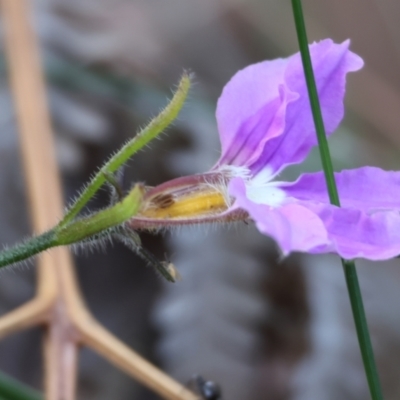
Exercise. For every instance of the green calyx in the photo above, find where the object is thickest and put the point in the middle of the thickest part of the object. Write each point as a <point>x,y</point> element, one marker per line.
<point>103,220</point>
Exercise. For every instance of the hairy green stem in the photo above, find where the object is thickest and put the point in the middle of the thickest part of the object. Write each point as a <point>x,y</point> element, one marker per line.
<point>69,230</point>
<point>353,286</point>
<point>77,231</point>
<point>94,224</point>
<point>27,249</point>
<point>152,130</point>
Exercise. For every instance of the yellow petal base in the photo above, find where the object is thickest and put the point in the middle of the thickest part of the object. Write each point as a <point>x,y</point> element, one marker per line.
<point>195,204</point>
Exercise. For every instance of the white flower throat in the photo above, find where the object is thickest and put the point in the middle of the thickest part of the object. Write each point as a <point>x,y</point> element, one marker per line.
<point>261,189</point>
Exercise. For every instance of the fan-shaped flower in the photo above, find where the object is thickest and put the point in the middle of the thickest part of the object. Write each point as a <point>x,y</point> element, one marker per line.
<point>265,124</point>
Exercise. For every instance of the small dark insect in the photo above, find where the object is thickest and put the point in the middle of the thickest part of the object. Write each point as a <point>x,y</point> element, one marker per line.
<point>208,390</point>
<point>163,200</point>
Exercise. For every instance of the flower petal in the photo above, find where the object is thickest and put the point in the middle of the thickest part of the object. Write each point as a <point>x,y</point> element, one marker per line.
<point>264,115</point>
<point>267,123</point>
<point>331,63</point>
<point>323,228</point>
<point>354,233</point>
<point>366,188</point>
<point>249,91</point>
<point>293,226</point>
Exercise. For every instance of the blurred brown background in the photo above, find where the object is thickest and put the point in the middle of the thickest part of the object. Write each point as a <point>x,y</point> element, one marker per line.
<point>262,329</point>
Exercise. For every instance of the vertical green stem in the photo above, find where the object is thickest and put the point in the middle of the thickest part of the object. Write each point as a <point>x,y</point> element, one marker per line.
<point>350,272</point>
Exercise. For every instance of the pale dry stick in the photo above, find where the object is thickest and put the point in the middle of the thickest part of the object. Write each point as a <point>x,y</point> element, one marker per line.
<point>58,303</point>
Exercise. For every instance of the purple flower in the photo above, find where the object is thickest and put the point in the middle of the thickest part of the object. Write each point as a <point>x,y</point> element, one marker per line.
<point>265,124</point>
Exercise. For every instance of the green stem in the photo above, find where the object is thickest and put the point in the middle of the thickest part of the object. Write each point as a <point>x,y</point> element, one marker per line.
<point>11,389</point>
<point>85,228</point>
<point>353,286</point>
<point>152,130</point>
<point>69,230</point>
<point>78,230</point>
<point>27,249</point>
<point>364,340</point>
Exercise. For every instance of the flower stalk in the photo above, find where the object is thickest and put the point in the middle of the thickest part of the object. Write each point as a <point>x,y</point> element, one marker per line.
<point>353,286</point>
<point>71,229</point>
<point>150,132</point>
<point>77,231</point>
